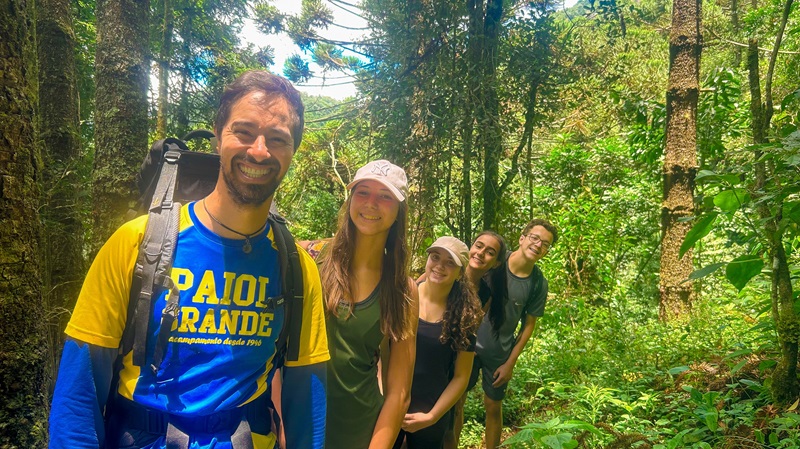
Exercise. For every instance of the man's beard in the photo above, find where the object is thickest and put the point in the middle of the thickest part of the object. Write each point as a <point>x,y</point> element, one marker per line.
<point>251,194</point>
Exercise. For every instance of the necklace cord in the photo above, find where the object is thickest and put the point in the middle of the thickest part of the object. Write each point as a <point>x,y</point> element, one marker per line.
<point>247,237</point>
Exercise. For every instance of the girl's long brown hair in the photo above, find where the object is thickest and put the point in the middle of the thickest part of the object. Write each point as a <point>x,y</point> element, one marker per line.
<point>462,315</point>
<point>394,290</point>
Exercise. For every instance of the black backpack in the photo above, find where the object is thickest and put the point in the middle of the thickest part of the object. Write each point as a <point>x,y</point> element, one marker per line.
<point>171,175</point>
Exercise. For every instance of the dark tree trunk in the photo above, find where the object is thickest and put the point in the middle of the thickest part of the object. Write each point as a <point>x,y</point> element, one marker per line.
<point>182,112</point>
<point>23,344</point>
<point>474,45</point>
<point>680,157</point>
<point>121,74</point>
<point>736,28</point>
<point>163,71</point>
<point>490,137</point>
<point>785,385</point>
<point>60,136</point>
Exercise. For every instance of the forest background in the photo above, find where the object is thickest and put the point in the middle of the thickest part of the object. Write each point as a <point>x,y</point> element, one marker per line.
<point>661,137</point>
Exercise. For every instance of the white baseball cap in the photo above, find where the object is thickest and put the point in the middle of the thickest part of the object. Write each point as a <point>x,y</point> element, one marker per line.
<point>457,249</point>
<point>386,173</point>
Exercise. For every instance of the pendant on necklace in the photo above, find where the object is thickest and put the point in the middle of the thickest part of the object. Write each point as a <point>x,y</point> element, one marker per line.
<point>247,246</point>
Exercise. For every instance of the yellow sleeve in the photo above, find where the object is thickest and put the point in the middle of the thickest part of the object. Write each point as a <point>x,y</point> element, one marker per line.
<point>313,338</point>
<point>102,307</point>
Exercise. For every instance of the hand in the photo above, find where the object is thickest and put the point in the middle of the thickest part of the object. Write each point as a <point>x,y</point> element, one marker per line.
<point>416,421</point>
<point>503,374</point>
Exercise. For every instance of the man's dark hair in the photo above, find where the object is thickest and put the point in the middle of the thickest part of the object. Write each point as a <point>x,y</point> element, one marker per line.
<point>545,224</point>
<point>269,84</point>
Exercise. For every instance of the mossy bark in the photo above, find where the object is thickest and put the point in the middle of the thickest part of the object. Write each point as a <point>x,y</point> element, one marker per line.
<point>680,157</point>
<point>121,74</point>
<point>488,116</point>
<point>23,346</point>
<point>785,384</point>
<point>63,265</point>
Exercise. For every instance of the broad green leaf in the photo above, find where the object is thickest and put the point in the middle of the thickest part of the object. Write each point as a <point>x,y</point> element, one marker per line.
<point>711,421</point>
<point>526,435</point>
<point>766,364</point>
<point>552,423</point>
<point>706,175</point>
<point>731,179</point>
<point>696,396</point>
<point>581,425</point>
<point>740,270</point>
<point>738,353</point>
<point>678,370</point>
<point>560,441</point>
<point>698,231</point>
<point>791,210</point>
<point>705,271</point>
<point>731,200</point>
<point>738,366</point>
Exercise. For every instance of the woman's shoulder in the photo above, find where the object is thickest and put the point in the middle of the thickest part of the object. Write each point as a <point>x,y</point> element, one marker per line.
<point>314,247</point>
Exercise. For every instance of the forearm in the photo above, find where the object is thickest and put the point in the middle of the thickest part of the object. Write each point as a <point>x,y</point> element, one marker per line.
<point>449,397</point>
<point>389,420</point>
<point>303,404</point>
<point>456,387</point>
<point>397,393</point>
<point>522,339</point>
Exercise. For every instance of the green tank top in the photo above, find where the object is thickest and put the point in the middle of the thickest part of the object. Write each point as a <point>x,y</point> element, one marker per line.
<point>354,399</point>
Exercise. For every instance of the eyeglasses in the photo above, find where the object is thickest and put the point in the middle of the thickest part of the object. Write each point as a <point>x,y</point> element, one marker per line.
<point>535,239</point>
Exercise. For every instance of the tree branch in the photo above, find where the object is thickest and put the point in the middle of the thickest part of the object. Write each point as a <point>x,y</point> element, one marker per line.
<point>772,59</point>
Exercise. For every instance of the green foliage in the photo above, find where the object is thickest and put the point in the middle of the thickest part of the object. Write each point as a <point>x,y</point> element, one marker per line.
<point>553,434</point>
<point>636,381</point>
<point>740,270</point>
<point>296,69</point>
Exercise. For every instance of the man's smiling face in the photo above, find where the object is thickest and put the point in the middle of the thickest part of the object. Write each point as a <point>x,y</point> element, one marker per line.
<point>256,147</point>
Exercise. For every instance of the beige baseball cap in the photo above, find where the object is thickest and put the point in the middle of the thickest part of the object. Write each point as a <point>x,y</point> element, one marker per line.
<point>386,173</point>
<point>455,247</point>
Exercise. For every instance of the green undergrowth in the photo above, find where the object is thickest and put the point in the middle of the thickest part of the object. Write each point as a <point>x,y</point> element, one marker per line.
<point>607,374</point>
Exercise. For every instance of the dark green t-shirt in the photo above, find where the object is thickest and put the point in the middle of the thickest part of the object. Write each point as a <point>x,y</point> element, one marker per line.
<point>354,399</point>
<point>526,296</point>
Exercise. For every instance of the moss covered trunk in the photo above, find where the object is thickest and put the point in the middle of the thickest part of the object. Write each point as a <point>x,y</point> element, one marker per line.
<point>23,346</point>
<point>785,385</point>
<point>121,74</point>
<point>488,118</point>
<point>680,157</point>
<point>62,246</point>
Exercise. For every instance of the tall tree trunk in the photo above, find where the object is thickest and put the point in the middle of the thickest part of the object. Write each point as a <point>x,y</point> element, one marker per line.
<point>785,386</point>
<point>419,139</point>
<point>769,108</point>
<point>182,112</point>
<point>473,51</point>
<point>23,344</point>
<point>60,136</point>
<point>736,29</point>
<point>163,71</point>
<point>489,120</point>
<point>680,157</point>
<point>121,74</point>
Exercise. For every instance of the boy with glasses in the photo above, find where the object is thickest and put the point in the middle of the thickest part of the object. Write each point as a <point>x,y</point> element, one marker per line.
<point>498,347</point>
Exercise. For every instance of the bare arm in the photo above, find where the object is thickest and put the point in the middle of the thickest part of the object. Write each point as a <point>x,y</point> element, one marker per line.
<point>451,394</point>
<point>503,374</point>
<point>397,388</point>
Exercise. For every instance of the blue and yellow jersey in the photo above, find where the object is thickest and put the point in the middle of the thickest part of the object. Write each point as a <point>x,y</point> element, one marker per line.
<point>221,349</point>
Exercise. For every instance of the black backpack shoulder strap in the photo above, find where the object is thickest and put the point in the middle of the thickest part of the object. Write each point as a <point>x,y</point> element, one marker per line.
<point>288,343</point>
<point>153,266</point>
